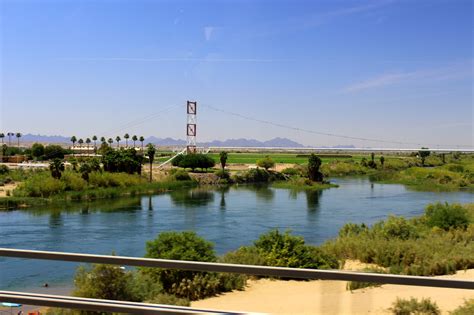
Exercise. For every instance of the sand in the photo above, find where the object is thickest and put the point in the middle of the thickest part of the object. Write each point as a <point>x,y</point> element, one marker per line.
<point>331,297</point>
<point>7,187</point>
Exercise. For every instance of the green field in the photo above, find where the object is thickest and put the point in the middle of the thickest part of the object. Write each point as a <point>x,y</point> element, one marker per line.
<point>251,158</point>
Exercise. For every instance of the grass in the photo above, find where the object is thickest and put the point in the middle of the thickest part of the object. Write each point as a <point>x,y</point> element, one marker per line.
<point>299,183</point>
<point>40,188</point>
<point>251,158</point>
<point>412,247</point>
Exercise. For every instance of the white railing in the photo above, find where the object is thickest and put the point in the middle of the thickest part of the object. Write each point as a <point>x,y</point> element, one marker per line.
<point>143,308</point>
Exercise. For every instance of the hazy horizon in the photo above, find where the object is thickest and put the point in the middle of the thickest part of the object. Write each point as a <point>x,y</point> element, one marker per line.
<point>391,70</point>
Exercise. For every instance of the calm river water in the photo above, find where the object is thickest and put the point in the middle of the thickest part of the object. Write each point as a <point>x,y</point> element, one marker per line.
<point>229,217</point>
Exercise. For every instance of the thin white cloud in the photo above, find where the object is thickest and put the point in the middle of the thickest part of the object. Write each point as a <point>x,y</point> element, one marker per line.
<point>208,32</point>
<point>457,71</point>
<point>133,59</point>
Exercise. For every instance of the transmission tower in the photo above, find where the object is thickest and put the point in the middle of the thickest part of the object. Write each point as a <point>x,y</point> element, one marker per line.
<point>191,127</point>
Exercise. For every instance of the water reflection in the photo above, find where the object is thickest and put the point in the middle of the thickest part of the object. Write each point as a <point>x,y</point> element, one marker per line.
<point>264,193</point>
<point>192,198</point>
<point>55,219</point>
<point>312,199</point>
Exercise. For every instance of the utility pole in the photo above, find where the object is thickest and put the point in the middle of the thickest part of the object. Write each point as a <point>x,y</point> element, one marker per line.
<point>191,127</point>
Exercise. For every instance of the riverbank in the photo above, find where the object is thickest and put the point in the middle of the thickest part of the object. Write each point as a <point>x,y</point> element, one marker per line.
<point>91,194</point>
<point>331,297</point>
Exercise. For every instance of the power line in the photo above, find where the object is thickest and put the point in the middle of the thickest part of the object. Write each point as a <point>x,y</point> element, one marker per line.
<point>140,121</point>
<point>320,132</point>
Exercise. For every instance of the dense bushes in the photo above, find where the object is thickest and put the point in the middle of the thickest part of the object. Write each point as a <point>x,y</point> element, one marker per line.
<point>413,306</point>
<point>4,169</point>
<point>125,161</point>
<point>194,161</point>
<point>414,247</point>
<point>466,309</point>
<point>99,185</point>
<point>282,250</point>
<point>181,175</point>
<point>446,216</point>
<point>105,282</point>
<point>188,284</point>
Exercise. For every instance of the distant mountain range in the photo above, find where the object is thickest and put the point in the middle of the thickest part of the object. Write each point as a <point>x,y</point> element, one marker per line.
<point>276,142</point>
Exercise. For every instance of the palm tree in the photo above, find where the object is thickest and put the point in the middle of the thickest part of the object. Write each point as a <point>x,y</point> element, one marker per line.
<point>126,136</point>
<point>88,141</point>
<point>134,139</point>
<point>10,135</point>
<point>150,151</point>
<point>18,136</point>
<point>103,140</point>
<point>94,138</point>
<point>56,167</point>
<point>110,141</point>
<point>73,140</point>
<point>80,141</point>
<point>118,141</point>
<point>141,140</point>
<point>2,135</point>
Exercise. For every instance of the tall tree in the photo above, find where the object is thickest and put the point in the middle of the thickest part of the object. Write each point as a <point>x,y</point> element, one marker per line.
<point>126,136</point>
<point>150,152</point>
<point>73,140</point>
<point>424,153</point>
<point>88,142</point>
<point>314,163</point>
<point>94,138</point>
<point>2,135</point>
<point>10,135</point>
<point>110,141</point>
<point>118,141</point>
<point>223,159</point>
<point>134,139</point>
<point>142,139</point>
<point>382,161</point>
<point>18,136</point>
<point>80,141</point>
<point>56,167</point>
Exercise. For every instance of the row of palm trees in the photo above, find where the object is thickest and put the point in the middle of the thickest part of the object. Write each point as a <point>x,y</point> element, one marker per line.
<point>10,135</point>
<point>110,141</point>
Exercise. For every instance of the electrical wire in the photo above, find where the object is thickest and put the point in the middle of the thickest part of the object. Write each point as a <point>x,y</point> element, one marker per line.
<point>267,122</point>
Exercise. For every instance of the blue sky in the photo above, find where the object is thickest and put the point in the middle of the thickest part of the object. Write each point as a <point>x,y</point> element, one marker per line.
<point>395,70</point>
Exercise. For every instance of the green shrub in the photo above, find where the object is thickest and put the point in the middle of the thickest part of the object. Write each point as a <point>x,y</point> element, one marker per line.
<point>4,169</point>
<point>73,182</point>
<point>169,299</point>
<point>223,174</point>
<point>291,171</point>
<point>181,175</point>
<point>466,309</point>
<point>179,246</point>
<point>355,285</point>
<point>286,250</point>
<point>104,282</point>
<point>194,161</point>
<point>350,229</point>
<point>407,246</point>
<point>446,216</point>
<point>267,163</point>
<point>40,185</point>
<point>398,227</point>
<point>413,306</point>
<point>246,255</point>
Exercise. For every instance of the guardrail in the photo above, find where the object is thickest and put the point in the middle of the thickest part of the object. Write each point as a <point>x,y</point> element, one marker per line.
<point>142,308</point>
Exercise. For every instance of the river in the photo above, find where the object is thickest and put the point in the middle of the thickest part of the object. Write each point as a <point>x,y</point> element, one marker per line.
<point>229,217</point>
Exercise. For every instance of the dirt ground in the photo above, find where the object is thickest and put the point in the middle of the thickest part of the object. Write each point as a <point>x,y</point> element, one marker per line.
<point>331,297</point>
<point>7,187</point>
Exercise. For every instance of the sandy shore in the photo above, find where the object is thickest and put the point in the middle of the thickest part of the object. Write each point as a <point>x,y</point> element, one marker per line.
<point>331,297</point>
<point>7,187</point>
